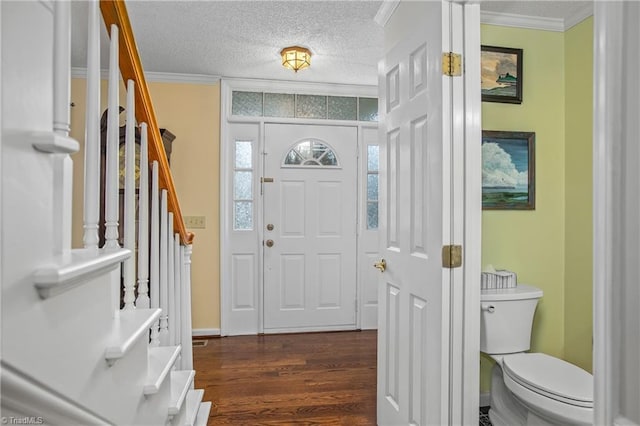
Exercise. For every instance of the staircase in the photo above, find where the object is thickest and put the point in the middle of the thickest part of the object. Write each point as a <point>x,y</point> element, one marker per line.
<point>70,354</point>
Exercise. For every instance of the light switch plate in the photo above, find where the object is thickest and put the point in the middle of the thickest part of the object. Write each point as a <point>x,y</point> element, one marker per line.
<point>195,222</point>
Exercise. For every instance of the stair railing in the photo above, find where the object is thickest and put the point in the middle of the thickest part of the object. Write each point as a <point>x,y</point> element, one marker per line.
<point>160,276</point>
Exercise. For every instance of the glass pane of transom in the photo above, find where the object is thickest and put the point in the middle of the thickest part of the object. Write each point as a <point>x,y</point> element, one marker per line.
<point>243,155</point>
<point>311,106</point>
<point>368,109</point>
<point>279,105</point>
<point>342,108</point>
<point>247,103</point>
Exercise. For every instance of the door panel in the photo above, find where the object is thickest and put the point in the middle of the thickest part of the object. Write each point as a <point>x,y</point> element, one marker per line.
<point>310,270</point>
<point>411,339</point>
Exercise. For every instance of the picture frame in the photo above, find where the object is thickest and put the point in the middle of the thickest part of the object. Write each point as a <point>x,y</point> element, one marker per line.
<point>508,170</point>
<point>501,74</point>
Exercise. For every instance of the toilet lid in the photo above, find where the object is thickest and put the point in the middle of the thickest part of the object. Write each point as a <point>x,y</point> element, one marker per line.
<point>551,377</point>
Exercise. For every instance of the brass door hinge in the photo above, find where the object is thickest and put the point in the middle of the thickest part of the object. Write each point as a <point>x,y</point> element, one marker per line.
<point>451,64</point>
<point>451,256</point>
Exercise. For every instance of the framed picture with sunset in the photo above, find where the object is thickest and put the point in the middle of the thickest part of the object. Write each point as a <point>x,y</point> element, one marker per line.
<point>501,79</point>
<point>508,170</point>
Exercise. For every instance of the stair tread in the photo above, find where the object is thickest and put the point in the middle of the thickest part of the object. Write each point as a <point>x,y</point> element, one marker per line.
<point>194,398</point>
<point>65,273</point>
<point>161,360</point>
<point>203,414</point>
<point>130,326</point>
<point>180,385</point>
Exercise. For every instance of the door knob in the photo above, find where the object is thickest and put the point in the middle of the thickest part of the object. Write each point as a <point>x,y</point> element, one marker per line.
<point>270,227</point>
<point>382,265</point>
<point>269,243</point>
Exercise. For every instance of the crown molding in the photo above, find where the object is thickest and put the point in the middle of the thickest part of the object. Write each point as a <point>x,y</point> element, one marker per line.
<point>536,22</point>
<point>160,77</point>
<point>522,21</point>
<point>386,10</point>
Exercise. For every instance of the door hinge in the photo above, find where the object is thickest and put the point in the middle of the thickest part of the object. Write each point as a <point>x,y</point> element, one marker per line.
<point>451,64</point>
<point>451,256</point>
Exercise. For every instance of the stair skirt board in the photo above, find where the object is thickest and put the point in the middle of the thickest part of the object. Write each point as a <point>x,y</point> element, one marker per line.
<point>160,361</point>
<point>128,329</point>
<point>26,397</point>
<point>180,385</point>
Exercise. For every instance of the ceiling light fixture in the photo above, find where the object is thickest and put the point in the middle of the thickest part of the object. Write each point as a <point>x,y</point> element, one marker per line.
<point>296,58</point>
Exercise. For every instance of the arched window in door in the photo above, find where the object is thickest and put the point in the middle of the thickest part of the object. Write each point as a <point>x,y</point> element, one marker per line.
<point>311,153</point>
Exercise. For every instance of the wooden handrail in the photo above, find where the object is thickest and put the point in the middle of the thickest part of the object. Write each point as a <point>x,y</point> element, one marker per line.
<point>114,12</point>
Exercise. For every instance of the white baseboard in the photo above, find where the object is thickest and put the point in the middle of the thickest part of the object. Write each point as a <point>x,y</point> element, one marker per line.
<point>199,332</point>
<point>485,399</point>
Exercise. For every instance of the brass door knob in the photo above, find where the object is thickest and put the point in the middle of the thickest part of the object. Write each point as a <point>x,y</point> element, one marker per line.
<point>269,243</point>
<point>382,265</point>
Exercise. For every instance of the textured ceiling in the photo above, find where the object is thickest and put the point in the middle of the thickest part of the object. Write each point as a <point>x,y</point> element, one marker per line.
<point>244,38</point>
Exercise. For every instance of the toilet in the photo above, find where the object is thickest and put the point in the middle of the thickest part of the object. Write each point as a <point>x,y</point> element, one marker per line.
<point>528,388</point>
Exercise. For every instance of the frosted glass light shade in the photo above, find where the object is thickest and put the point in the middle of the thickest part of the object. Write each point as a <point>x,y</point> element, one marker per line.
<point>296,58</point>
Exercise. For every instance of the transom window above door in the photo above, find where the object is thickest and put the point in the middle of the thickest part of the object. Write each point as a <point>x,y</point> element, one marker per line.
<point>311,153</point>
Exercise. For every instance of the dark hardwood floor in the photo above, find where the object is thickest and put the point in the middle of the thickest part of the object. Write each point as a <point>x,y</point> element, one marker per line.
<point>289,379</point>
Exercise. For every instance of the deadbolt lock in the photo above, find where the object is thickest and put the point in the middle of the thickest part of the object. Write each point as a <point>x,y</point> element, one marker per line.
<point>269,243</point>
<point>270,227</point>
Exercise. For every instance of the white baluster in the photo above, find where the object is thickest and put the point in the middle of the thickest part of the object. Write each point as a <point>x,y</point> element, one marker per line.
<point>92,133</point>
<point>129,267</point>
<point>154,272</point>
<point>143,223</point>
<point>62,164</point>
<point>62,67</point>
<point>177,271</point>
<point>171,282</point>
<point>164,278</point>
<point>187,350</point>
<point>113,136</point>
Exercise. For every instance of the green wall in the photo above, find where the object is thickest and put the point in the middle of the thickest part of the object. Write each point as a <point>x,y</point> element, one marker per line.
<point>534,243</point>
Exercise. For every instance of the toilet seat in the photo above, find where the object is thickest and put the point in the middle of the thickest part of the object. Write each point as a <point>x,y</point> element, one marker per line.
<point>550,377</point>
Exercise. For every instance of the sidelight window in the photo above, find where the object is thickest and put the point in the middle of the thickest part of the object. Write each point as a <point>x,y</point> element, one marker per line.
<point>243,186</point>
<point>373,163</point>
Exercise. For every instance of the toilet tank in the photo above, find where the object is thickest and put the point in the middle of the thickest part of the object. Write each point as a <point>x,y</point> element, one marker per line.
<point>506,318</point>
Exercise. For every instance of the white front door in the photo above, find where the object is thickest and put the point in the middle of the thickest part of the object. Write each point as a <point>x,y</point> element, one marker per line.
<point>412,328</point>
<point>309,219</point>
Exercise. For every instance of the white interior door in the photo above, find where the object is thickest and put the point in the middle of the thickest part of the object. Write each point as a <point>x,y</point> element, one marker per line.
<point>412,328</point>
<point>310,214</point>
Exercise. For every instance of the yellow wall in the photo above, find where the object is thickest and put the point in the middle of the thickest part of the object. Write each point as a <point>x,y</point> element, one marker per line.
<point>578,194</point>
<point>192,113</point>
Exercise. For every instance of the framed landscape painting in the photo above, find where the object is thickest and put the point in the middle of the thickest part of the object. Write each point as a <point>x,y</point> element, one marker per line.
<point>501,79</point>
<point>508,170</point>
